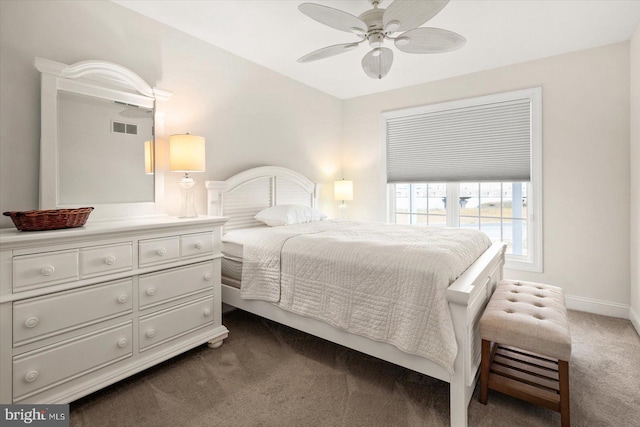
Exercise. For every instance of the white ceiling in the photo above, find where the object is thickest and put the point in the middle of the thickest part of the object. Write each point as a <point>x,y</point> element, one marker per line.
<point>273,33</point>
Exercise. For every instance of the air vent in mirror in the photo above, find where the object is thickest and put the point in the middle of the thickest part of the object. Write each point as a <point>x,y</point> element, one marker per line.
<point>119,127</point>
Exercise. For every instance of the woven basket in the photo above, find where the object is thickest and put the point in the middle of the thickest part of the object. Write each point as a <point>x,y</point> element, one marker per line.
<point>53,219</point>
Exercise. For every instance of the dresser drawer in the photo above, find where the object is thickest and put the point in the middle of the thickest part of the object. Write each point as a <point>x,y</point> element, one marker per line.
<point>156,288</point>
<point>45,269</point>
<point>98,260</point>
<point>56,364</point>
<point>64,311</point>
<point>162,326</point>
<point>156,251</point>
<point>193,245</point>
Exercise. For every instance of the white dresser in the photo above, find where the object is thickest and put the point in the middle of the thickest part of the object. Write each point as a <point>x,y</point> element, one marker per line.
<point>83,308</point>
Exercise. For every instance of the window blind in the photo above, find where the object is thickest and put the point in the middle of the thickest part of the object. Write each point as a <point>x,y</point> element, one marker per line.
<point>487,142</point>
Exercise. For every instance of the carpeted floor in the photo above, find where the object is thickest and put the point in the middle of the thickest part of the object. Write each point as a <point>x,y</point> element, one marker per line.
<point>270,375</point>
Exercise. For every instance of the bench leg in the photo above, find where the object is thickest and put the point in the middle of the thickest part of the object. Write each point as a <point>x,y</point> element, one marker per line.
<point>485,364</point>
<point>563,376</point>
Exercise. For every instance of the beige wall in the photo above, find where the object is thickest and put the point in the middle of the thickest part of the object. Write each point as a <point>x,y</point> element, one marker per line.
<point>252,116</point>
<point>249,115</point>
<point>635,179</point>
<point>585,161</point>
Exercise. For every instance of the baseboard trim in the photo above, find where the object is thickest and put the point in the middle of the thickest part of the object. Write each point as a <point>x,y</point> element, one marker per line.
<point>635,319</point>
<point>605,308</point>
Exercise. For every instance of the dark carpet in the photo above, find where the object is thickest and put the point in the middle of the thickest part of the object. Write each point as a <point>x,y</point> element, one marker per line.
<point>266,374</point>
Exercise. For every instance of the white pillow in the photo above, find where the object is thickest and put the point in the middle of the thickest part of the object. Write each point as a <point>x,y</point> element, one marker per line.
<point>289,214</point>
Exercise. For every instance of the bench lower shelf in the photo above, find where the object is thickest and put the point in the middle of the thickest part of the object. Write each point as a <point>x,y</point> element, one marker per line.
<point>528,376</point>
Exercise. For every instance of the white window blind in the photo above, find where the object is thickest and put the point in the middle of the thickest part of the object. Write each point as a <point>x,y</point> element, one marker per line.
<point>478,141</point>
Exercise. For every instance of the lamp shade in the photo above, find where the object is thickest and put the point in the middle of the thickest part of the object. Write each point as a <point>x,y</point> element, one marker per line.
<point>343,190</point>
<point>186,153</point>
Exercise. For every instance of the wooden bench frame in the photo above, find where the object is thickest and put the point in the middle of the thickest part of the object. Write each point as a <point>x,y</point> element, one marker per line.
<point>528,376</point>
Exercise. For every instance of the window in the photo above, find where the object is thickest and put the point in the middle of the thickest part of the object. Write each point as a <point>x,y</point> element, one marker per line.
<point>484,154</point>
<point>497,208</point>
<point>423,204</point>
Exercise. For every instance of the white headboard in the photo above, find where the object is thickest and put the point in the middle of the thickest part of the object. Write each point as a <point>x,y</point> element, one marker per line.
<point>243,195</point>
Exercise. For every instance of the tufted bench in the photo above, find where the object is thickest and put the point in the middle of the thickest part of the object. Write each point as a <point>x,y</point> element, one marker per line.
<point>526,345</point>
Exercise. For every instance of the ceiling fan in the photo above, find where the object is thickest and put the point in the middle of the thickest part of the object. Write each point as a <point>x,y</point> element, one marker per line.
<point>377,25</point>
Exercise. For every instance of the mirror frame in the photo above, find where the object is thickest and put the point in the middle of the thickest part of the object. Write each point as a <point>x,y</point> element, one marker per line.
<point>100,79</point>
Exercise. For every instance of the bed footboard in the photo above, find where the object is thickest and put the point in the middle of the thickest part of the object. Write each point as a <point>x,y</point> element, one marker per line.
<point>468,297</point>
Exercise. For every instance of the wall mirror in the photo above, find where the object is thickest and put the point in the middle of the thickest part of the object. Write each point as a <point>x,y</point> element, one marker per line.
<point>98,139</point>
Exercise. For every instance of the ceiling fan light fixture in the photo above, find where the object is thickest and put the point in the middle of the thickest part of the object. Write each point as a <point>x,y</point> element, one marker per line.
<point>377,63</point>
<point>376,39</point>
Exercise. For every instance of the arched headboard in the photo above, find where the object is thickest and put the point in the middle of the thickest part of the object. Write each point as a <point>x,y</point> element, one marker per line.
<point>243,195</point>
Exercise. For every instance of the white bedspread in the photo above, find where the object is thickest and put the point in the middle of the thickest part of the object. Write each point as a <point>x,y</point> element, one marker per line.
<point>386,282</point>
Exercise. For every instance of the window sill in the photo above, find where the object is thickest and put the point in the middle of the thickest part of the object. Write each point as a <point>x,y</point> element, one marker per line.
<point>522,265</point>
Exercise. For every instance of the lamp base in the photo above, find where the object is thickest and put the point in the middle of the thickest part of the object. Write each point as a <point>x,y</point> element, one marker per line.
<point>342,207</point>
<point>187,207</point>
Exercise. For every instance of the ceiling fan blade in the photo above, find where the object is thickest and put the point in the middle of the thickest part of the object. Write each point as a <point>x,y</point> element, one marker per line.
<point>136,113</point>
<point>334,18</point>
<point>429,40</point>
<point>328,51</point>
<point>403,15</point>
<point>377,63</point>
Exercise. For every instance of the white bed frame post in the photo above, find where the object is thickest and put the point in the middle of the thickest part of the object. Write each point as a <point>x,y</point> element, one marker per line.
<point>468,296</point>
<point>214,197</point>
<point>459,392</point>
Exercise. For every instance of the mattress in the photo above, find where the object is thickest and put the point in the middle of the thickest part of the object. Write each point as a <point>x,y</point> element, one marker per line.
<point>232,251</point>
<point>231,269</point>
<point>233,241</point>
<point>386,282</point>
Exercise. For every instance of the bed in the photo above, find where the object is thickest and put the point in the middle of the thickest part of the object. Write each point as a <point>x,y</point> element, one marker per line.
<point>242,196</point>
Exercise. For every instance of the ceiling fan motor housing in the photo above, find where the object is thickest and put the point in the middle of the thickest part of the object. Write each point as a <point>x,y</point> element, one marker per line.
<point>373,19</point>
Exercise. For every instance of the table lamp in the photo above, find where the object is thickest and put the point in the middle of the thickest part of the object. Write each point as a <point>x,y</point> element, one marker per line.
<point>187,154</point>
<point>343,191</point>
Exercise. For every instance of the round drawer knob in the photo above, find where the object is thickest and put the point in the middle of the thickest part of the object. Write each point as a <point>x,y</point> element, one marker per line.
<point>31,376</point>
<point>151,291</point>
<point>199,245</point>
<point>110,260</point>
<point>207,276</point>
<point>31,322</point>
<point>151,333</point>
<point>122,342</point>
<point>48,270</point>
<point>161,252</point>
<point>207,312</point>
<point>123,298</point>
